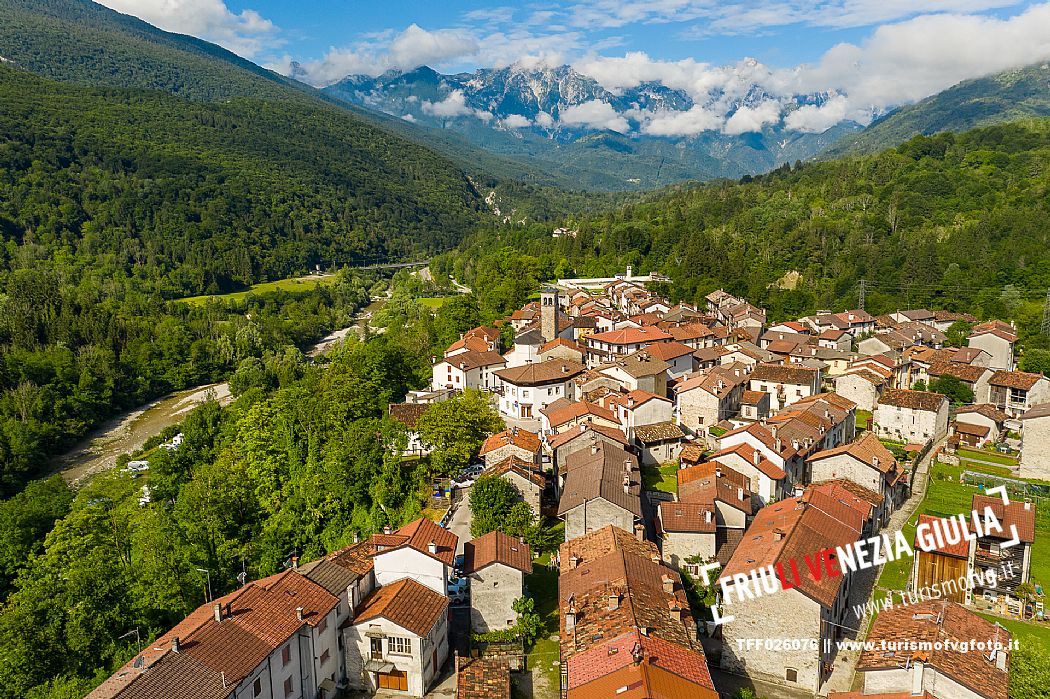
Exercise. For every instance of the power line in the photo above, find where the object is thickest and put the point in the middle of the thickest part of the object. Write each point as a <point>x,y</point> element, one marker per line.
<point>860,295</point>
<point>1046,315</point>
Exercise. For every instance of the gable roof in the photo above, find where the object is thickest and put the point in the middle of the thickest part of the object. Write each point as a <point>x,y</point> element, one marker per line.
<point>631,336</point>
<point>562,438</point>
<point>407,603</point>
<point>1016,514</point>
<point>639,364</point>
<point>668,350</point>
<point>660,669</point>
<point>521,438</point>
<point>914,400</point>
<point>1015,379</point>
<point>868,450</point>
<point>522,469</point>
<point>418,535</point>
<point>960,549</point>
<point>693,517</point>
<point>1036,411</point>
<point>784,374</point>
<point>482,678</point>
<point>496,547</point>
<point>986,409</point>
<point>589,476</point>
<point>575,410</point>
<point>658,432</point>
<point>408,414</point>
<point>548,371</point>
<point>711,489</point>
<point>936,622</point>
<point>752,456</point>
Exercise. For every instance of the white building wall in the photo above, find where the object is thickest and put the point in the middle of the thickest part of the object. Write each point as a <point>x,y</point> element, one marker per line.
<point>391,566</point>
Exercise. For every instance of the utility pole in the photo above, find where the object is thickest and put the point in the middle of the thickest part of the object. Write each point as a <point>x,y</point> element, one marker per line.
<point>207,573</point>
<point>862,283</point>
<point>1046,315</point>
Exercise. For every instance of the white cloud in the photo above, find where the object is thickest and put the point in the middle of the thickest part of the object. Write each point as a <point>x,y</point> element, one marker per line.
<point>678,123</point>
<point>246,33</point>
<point>516,121</point>
<point>748,119</point>
<point>811,118</point>
<point>544,120</point>
<point>595,114</point>
<point>455,105</point>
<point>409,118</point>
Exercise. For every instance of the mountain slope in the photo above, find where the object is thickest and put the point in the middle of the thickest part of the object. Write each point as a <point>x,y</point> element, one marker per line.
<point>995,99</point>
<point>533,115</point>
<point>80,41</point>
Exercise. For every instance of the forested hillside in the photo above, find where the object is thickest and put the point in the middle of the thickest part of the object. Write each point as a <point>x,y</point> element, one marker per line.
<point>951,221</point>
<point>1003,97</point>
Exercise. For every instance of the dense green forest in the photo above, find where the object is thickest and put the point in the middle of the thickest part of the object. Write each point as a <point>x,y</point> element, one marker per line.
<point>960,222</point>
<point>295,466</point>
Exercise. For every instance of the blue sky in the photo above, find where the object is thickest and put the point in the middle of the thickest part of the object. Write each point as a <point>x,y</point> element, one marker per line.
<point>868,54</point>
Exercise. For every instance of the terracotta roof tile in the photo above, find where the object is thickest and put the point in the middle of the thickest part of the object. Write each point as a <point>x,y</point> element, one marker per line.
<point>590,476</point>
<point>631,336</point>
<point>608,659</point>
<point>1015,379</point>
<point>472,360</point>
<point>483,678</point>
<point>658,432</point>
<point>580,430</point>
<point>986,409</point>
<point>407,603</point>
<point>523,469</point>
<point>1019,514</point>
<point>867,449</point>
<point>549,371</point>
<point>915,400</point>
<point>420,533</point>
<point>936,622</point>
<point>687,517</point>
<point>959,550</point>
<point>496,547</point>
<point>563,414</point>
<point>408,414</point>
<point>782,374</point>
<point>523,439</point>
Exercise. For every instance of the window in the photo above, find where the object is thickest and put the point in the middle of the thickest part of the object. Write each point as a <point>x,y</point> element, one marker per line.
<point>325,656</point>
<point>322,626</point>
<point>288,687</point>
<point>399,645</point>
<point>286,655</point>
<point>791,674</point>
<point>257,687</point>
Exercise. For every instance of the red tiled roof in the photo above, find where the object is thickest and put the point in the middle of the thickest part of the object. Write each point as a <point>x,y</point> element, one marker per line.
<point>549,371</point>
<point>1015,379</point>
<point>708,469</point>
<point>936,622</point>
<point>631,336</point>
<point>668,350</point>
<point>407,603</point>
<point>1019,514</point>
<point>567,436</point>
<point>986,409</point>
<point>783,374</point>
<point>868,450</point>
<point>408,414</point>
<point>959,550</point>
<point>561,342</point>
<point>470,342</point>
<point>513,464</point>
<point>496,547</point>
<point>419,534</point>
<point>748,453</point>
<point>483,678</point>
<point>687,517</point>
<point>567,413</point>
<point>914,400</point>
<point>616,654</point>
<point>521,438</point>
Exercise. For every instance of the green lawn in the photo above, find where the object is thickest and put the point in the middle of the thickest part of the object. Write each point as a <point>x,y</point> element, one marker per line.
<point>946,497</point>
<point>543,586</point>
<point>294,284</point>
<point>435,303</point>
<point>1022,630</point>
<point>993,456</point>
<point>985,468</point>
<point>863,419</point>
<point>662,478</point>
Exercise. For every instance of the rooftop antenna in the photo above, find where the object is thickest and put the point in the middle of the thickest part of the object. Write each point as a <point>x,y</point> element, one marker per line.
<point>138,637</point>
<point>207,589</point>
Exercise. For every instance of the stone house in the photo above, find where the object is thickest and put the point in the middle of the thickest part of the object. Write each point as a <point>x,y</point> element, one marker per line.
<point>659,442</point>
<point>1014,392</point>
<point>422,547</point>
<point>400,633</point>
<point>707,519</point>
<point>784,384</point>
<point>561,349</point>
<point>601,486</point>
<point>584,436</point>
<point>529,482</point>
<point>862,386</point>
<point>638,408</point>
<point>781,532</point>
<point>946,670</point>
<point>703,401</point>
<point>528,389</point>
<point>911,416</point>
<point>766,481</point>
<point>870,465</point>
<point>496,565</point>
<point>998,340</point>
<point>985,423</point>
<point>1035,443</point>
<point>513,441</point>
<point>638,371</point>
<point>564,415</point>
<point>754,406</point>
<point>605,347</point>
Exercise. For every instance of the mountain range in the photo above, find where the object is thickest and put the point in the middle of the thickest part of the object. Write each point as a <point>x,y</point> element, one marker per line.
<point>581,132</point>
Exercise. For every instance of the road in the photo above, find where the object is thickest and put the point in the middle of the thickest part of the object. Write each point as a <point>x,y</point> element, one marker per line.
<point>461,520</point>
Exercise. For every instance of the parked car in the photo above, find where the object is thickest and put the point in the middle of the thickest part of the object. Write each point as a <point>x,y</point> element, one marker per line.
<point>472,471</point>
<point>459,590</point>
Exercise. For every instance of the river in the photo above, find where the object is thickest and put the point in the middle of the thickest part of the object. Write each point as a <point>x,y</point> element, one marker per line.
<point>98,451</point>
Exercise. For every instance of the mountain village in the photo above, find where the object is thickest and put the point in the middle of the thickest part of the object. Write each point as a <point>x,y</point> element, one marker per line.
<point>670,441</point>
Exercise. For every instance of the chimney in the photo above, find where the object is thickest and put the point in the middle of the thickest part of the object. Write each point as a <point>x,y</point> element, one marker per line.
<point>627,483</point>
<point>628,466</point>
<point>675,610</point>
<point>718,471</point>
<point>217,611</point>
<point>1027,504</point>
<point>614,601</point>
<point>794,444</point>
<point>175,644</point>
<point>357,537</point>
<point>668,582</point>
<point>756,457</point>
<point>432,547</point>
<point>295,562</point>
<point>594,448</point>
<point>778,534</point>
<point>875,461</point>
<point>707,516</point>
<point>574,562</point>
<point>386,529</point>
<point>778,446</point>
<point>637,654</point>
<point>299,613</point>
<point>630,401</point>
<point>570,619</point>
<point>739,493</point>
<point>639,532</point>
<point>1000,659</point>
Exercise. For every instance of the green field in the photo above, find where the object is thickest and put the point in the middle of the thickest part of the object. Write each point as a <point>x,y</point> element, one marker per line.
<point>293,285</point>
<point>1003,471</point>
<point>435,303</point>
<point>543,587</point>
<point>1022,630</point>
<point>863,419</point>
<point>946,496</point>
<point>662,478</point>
<point>993,456</point>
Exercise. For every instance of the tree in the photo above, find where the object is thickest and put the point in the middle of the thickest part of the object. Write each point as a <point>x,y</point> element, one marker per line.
<point>957,333</point>
<point>1028,668</point>
<point>1026,593</point>
<point>919,385</point>
<point>529,623</point>
<point>24,521</point>
<point>491,501</point>
<point>456,429</point>
<point>1036,361</point>
<point>957,392</point>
